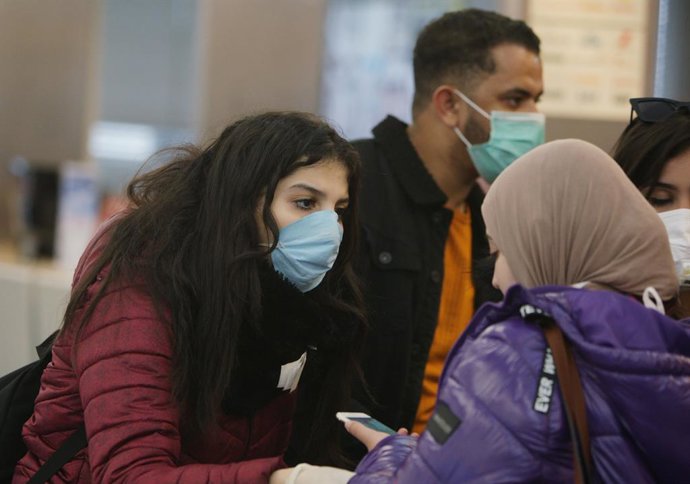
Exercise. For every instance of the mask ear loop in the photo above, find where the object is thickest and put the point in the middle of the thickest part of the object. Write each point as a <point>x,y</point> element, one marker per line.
<point>462,137</point>
<point>474,106</point>
<point>652,300</point>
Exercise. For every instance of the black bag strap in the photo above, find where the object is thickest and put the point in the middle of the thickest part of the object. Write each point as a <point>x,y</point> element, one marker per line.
<point>570,386</point>
<point>62,456</point>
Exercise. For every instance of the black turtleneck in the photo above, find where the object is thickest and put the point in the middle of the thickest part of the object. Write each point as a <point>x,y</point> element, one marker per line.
<point>291,323</point>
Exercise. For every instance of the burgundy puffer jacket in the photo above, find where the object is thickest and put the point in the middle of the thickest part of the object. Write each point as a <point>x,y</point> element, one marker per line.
<point>119,384</point>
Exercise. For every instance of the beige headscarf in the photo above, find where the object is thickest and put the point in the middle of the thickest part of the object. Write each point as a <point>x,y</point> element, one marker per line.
<point>566,213</point>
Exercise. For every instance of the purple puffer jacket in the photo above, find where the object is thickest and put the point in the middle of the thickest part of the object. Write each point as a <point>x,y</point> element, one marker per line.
<point>497,424</point>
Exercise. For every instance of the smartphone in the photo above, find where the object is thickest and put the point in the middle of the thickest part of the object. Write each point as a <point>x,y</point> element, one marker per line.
<point>365,419</point>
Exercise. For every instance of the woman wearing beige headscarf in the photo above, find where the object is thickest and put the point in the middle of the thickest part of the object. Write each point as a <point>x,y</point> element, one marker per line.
<point>567,214</point>
<point>564,214</point>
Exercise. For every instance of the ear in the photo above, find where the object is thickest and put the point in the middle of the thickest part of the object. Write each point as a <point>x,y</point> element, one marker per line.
<point>448,106</point>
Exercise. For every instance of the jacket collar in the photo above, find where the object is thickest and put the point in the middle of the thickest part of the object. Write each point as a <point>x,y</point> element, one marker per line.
<point>391,136</point>
<point>596,322</point>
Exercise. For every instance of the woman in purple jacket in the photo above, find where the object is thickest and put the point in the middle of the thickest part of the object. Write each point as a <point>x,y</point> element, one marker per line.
<point>563,215</point>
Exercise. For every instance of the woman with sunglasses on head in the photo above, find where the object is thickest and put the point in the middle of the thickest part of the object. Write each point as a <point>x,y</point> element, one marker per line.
<point>583,264</point>
<point>213,319</point>
<point>654,151</point>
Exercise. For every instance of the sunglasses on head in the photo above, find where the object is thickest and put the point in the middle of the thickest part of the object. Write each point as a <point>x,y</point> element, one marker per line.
<point>655,109</point>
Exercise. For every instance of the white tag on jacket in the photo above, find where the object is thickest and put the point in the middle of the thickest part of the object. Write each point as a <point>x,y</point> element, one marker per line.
<point>546,385</point>
<point>290,373</point>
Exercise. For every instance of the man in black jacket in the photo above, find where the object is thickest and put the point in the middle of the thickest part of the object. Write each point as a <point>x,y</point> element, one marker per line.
<point>423,234</point>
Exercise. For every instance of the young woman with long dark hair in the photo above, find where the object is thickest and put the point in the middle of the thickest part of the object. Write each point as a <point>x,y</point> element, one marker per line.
<point>214,322</point>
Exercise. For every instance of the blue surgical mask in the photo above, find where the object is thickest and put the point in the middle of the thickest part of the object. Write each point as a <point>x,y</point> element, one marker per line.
<point>512,135</point>
<point>307,249</point>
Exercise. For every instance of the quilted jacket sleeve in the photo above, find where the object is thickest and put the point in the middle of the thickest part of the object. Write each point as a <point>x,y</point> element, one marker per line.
<point>123,366</point>
<point>489,385</point>
<point>381,464</point>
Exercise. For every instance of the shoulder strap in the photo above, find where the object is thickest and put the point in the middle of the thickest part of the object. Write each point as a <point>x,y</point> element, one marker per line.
<point>62,456</point>
<point>573,396</point>
<point>573,400</point>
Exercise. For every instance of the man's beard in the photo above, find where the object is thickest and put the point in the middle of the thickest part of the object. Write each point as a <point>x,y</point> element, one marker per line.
<point>474,131</point>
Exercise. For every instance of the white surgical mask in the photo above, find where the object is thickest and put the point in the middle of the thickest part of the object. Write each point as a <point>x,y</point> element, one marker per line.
<point>677,224</point>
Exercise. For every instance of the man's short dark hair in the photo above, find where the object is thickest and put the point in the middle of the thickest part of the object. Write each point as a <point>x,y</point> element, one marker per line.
<point>457,46</point>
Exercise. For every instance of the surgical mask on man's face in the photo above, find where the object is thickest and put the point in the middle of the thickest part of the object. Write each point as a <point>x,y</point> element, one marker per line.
<point>677,224</point>
<point>512,135</point>
<point>307,249</point>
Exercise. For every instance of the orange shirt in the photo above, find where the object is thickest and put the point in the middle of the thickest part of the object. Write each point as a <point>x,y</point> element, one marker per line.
<point>455,310</point>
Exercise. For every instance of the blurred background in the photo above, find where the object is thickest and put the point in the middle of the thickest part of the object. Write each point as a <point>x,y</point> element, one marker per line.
<point>89,89</point>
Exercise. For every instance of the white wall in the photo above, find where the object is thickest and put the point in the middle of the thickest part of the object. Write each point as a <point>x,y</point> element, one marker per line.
<point>32,300</point>
<point>257,55</point>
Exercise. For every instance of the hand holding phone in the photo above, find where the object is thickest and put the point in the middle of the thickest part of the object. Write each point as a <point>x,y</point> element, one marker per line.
<point>364,419</point>
<point>364,428</point>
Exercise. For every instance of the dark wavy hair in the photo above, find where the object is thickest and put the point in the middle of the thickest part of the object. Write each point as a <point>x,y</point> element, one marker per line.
<point>191,236</point>
<point>643,148</point>
<point>457,46</point>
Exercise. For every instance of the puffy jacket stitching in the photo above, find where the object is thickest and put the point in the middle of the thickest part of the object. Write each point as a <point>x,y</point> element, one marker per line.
<point>427,465</point>
<point>487,409</point>
<point>103,359</point>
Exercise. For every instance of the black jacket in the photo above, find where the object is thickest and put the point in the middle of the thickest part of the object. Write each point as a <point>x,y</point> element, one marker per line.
<point>405,226</point>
